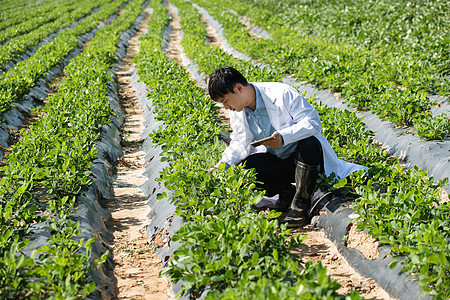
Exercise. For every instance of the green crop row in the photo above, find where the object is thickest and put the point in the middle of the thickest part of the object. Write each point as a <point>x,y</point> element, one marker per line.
<point>393,87</point>
<point>19,14</point>
<point>398,207</point>
<point>9,5</point>
<point>49,168</point>
<point>17,82</point>
<point>201,54</point>
<point>30,24</point>
<point>416,29</point>
<point>228,250</point>
<point>19,45</point>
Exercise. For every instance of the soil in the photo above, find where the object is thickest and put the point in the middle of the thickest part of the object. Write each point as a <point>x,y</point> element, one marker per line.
<point>211,34</point>
<point>319,248</point>
<point>173,51</point>
<point>316,246</point>
<point>174,47</point>
<point>444,196</point>
<point>136,266</point>
<point>362,241</point>
<point>248,25</point>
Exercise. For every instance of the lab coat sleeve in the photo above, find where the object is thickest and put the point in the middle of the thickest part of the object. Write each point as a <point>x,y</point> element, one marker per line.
<point>239,147</point>
<point>305,120</point>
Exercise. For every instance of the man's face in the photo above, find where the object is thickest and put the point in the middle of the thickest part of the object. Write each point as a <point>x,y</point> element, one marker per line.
<point>233,101</point>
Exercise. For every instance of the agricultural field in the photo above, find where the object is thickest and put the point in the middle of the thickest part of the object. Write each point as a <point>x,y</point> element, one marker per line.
<point>107,134</point>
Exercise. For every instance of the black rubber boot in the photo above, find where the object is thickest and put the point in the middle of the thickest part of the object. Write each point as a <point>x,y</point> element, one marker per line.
<point>305,181</point>
<point>285,200</point>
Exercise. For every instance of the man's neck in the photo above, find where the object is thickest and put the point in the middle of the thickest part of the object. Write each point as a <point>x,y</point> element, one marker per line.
<point>252,96</point>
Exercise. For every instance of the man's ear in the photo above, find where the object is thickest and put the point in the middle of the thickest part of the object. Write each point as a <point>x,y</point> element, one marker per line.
<point>238,88</point>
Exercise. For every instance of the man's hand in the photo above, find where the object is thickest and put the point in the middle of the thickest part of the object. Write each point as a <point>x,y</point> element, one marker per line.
<point>276,142</point>
<point>215,168</point>
<point>220,166</point>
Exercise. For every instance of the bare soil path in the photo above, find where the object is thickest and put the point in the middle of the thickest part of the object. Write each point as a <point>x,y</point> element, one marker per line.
<point>136,264</point>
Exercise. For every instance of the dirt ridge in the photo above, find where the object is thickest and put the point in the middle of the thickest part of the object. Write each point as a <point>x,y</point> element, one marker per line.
<point>136,266</point>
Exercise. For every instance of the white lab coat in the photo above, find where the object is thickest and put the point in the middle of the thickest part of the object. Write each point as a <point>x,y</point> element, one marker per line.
<point>293,117</point>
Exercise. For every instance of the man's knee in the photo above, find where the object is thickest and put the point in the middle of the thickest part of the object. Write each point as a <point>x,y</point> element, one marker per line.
<point>255,161</point>
<point>309,151</point>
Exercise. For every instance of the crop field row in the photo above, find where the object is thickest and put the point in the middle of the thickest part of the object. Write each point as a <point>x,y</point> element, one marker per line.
<point>19,14</point>
<point>8,6</point>
<point>224,249</point>
<point>49,168</point>
<point>17,46</point>
<point>16,82</point>
<point>58,10</point>
<point>415,30</point>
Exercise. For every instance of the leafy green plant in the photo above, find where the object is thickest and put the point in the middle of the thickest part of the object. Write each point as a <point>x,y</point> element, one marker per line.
<point>433,128</point>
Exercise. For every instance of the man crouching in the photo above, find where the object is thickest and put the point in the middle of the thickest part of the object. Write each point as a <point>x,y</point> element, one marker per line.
<point>295,152</point>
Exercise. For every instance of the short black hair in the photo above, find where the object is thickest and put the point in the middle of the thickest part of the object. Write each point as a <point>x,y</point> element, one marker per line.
<point>223,80</point>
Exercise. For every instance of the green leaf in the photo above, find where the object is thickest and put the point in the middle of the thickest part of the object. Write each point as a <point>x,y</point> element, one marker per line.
<point>275,254</point>
<point>160,196</point>
<point>393,264</point>
<point>341,183</point>
<point>255,258</point>
<point>433,258</point>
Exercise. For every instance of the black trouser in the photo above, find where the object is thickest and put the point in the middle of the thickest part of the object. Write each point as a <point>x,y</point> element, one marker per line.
<point>276,173</point>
